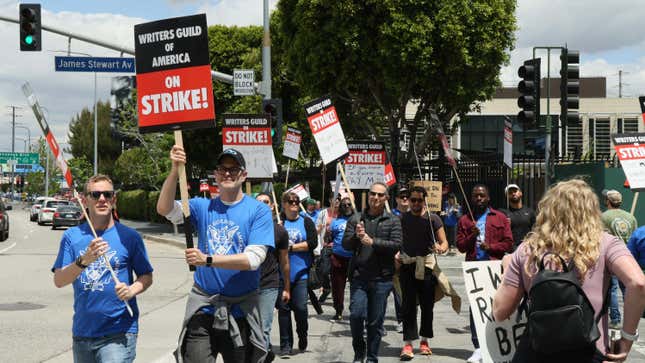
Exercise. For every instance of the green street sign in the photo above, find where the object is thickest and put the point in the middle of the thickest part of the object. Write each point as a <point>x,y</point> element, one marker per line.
<point>21,158</point>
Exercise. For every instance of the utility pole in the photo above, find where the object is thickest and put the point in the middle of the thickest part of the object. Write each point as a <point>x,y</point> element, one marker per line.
<point>13,145</point>
<point>266,54</point>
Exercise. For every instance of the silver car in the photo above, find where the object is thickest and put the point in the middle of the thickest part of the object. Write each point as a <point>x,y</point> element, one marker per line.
<point>35,208</point>
<point>46,212</point>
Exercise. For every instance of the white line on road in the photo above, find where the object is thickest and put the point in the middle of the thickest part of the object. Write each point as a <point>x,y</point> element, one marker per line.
<point>8,248</point>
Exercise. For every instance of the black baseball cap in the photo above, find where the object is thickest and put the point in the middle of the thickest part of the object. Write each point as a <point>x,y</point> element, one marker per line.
<point>403,192</point>
<point>232,153</point>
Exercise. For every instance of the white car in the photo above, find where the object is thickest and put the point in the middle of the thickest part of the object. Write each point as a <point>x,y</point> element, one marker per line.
<point>46,212</point>
<point>35,208</point>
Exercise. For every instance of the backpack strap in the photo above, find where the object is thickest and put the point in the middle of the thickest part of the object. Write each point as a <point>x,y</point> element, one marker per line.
<point>566,267</point>
<point>605,304</point>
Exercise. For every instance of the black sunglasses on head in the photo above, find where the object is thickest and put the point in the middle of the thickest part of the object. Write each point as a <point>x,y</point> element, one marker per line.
<point>108,194</point>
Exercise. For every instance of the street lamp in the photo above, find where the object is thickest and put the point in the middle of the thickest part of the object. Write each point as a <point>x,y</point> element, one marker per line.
<point>28,134</point>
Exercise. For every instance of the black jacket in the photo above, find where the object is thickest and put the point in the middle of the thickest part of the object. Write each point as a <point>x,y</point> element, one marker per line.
<point>374,262</point>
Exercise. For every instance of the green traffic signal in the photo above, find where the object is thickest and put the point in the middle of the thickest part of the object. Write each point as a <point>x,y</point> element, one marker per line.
<point>272,132</point>
<point>29,39</point>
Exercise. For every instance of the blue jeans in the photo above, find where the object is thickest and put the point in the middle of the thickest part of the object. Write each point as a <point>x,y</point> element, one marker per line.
<point>297,304</point>
<point>267,300</point>
<point>367,305</point>
<point>614,311</point>
<point>117,348</point>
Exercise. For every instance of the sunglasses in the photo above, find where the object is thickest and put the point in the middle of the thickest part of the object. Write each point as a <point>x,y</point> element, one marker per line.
<point>108,194</point>
<point>373,194</point>
<point>234,171</point>
<point>293,202</point>
<point>345,204</point>
<point>416,200</point>
<point>265,201</point>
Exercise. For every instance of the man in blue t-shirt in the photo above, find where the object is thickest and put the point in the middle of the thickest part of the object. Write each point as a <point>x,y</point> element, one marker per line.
<point>234,233</point>
<point>303,239</point>
<point>103,328</point>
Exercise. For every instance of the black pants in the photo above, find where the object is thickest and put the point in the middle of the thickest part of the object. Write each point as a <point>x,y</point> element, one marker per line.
<point>411,289</point>
<point>202,343</point>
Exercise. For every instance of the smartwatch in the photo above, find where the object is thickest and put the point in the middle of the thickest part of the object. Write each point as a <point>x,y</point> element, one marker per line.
<point>79,262</point>
<point>209,261</point>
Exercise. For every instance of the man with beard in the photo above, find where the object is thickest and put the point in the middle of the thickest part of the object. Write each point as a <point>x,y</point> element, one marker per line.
<point>522,217</point>
<point>235,231</point>
<point>486,237</point>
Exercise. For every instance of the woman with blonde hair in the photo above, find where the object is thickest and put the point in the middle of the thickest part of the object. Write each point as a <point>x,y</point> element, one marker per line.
<point>568,225</point>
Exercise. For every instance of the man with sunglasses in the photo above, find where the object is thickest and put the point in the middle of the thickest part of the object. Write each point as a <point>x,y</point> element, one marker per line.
<point>276,262</point>
<point>402,201</point>
<point>235,231</point>
<point>423,235</point>
<point>103,329</point>
<point>303,239</point>
<point>374,237</point>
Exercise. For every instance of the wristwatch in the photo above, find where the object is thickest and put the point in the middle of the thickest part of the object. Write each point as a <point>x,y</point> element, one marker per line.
<point>209,261</point>
<point>631,337</point>
<point>79,262</point>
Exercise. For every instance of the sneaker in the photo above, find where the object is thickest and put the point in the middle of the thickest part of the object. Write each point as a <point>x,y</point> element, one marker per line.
<point>476,357</point>
<point>425,348</point>
<point>406,352</point>
<point>285,353</point>
<point>399,327</point>
<point>337,317</point>
<point>358,360</point>
<point>302,344</point>
<point>270,357</point>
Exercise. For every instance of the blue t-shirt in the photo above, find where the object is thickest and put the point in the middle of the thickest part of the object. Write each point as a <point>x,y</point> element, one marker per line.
<point>299,261</point>
<point>97,309</point>
<point>481,224</point>
<point>453,212</point>
<point>636,246</point>
<point>337,231</point>
<point>313,215</point>
<point>227,230</point>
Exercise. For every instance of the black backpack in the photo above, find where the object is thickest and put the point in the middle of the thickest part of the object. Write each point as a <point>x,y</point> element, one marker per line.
<point>560,318</point>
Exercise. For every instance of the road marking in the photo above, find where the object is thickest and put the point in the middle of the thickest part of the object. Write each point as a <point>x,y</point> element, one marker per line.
<point>8,248</point>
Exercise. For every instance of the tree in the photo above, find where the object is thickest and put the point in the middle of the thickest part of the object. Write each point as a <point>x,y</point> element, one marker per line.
<point>377,56</point>
<point>81,138</point>
<point>81,170</point>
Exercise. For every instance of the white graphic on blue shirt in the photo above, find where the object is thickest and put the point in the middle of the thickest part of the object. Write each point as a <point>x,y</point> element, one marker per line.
<point>223,235</point>
<point>96,276</point>
<point>299,261</point>
<point>295,236</point>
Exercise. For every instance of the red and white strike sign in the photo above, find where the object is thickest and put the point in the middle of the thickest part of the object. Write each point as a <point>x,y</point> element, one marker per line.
<point>174,86</point>
<point>325,126</point>
<point>365,164</point>
<point>292,142</point>
<point>630,149</point>
<point>251,136</point>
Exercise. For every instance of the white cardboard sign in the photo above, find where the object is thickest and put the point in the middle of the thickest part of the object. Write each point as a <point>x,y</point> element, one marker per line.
<point>300,190</point>
<point>365,164</point>
<point>292,142</point>
<point>251,136</point>
<point>325,126</point>
<point>498,340</point>
<point>630,149</point>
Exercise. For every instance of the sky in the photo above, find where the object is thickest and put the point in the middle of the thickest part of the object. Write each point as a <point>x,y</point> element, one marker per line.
<point>607,34</point>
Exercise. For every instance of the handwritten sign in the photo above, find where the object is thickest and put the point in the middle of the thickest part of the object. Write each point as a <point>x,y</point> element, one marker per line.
<point>498,340</point>
<point>365,164</point>
<point>292,142</point>
<point>433,188</point>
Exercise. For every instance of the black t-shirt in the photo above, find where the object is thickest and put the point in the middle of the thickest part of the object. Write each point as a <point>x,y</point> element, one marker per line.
<point>522,221</point>
<point>269,269</point>
<point>417,237</point>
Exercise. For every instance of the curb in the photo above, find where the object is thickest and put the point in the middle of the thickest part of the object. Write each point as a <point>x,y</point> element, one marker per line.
<point>168,241</point>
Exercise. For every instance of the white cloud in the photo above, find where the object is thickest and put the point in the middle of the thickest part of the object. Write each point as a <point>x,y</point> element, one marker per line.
<point>237,12</point>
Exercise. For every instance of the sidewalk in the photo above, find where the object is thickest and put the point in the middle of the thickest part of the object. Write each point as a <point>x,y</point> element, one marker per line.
<point>158,232</point>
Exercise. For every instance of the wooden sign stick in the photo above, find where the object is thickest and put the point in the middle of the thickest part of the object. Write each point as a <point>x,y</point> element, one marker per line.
<point>183,191</point>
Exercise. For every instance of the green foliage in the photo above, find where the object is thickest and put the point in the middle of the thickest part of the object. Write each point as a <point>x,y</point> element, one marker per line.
<point>376,56</point>
<point>81,137</point>
<point>151,207</point>
<point>35,183</point>
<point>132,204</point>
<point>81,170</point>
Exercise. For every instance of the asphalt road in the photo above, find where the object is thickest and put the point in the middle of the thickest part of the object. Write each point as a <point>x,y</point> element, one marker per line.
<point>36,317</point>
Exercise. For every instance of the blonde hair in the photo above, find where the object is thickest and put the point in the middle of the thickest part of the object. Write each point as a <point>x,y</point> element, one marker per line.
<point>95,179</point>
<point>568,224</point>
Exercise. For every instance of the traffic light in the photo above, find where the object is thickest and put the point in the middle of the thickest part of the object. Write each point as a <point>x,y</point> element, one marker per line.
<point>273,108</point>
<point>570,87</point>
<point>30,29</point>
<point>529,88</point>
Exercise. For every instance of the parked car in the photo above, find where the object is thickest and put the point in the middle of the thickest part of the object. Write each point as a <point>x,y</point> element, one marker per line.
<point>4,221</point>
<point>67,215</point>
<point>46,212</point>
<point>35,208</point>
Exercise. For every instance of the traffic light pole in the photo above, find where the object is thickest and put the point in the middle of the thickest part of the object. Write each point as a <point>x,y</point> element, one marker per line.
<point>547,141</point>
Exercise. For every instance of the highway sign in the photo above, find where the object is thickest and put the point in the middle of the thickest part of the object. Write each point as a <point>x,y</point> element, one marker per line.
<point>94,64</point>
<point>20,158</point>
